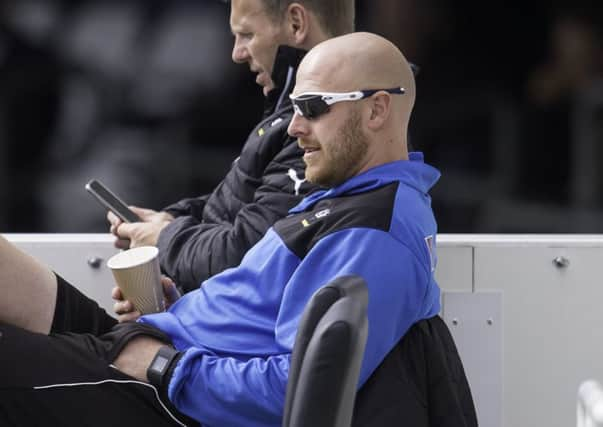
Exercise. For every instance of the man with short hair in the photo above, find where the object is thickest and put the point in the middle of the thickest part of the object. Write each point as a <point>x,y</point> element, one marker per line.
<point>226,347</point>
<point>335,16</point>
<point>203,236</point>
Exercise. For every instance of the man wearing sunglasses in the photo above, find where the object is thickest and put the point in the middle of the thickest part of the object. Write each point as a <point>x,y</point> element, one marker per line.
<point>202,236</point>
<point>220,355</point>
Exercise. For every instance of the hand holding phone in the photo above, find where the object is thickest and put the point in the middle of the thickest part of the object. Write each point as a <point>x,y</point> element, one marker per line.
<point>110,201</point>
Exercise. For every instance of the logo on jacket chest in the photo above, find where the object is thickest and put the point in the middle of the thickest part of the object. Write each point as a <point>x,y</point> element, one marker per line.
<point>262,130</point>
<point>296,181</point>
<point>306,222</point>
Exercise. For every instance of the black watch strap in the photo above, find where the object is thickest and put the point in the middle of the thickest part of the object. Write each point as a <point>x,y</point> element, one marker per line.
<point>160,366</point>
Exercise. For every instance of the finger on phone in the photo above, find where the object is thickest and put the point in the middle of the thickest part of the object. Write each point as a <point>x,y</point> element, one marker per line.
<point>113,219</point>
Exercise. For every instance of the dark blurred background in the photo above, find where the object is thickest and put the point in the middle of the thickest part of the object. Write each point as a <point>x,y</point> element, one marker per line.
<point>142,95</point>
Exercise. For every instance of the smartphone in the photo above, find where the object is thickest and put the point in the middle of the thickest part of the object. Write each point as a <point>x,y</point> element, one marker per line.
<point>110,201</point>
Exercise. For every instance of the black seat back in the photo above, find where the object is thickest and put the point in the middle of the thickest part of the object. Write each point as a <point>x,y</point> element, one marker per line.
<point>327,355</point>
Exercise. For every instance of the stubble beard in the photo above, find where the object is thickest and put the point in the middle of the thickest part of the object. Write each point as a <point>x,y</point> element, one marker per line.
<point>342,157</point>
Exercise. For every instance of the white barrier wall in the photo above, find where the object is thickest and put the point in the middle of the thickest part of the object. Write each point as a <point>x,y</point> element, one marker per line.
<point>550,322</point>
<point>525,310</point>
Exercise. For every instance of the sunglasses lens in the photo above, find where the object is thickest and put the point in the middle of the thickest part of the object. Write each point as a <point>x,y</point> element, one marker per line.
<point>311,107</point>
<point>317,107</point>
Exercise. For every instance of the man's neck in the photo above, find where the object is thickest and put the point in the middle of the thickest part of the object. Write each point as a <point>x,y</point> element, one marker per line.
<point>287,57</point>
<point>313,41</point>
<point>315,36</point>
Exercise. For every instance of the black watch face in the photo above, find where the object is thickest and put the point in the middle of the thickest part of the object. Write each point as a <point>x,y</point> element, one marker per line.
<point>159,363</point>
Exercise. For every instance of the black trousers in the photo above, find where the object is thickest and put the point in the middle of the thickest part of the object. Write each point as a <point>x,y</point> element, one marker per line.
<point>66,378</point>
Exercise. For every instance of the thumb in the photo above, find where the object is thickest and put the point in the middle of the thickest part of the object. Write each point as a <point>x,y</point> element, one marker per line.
<point>170,291</point>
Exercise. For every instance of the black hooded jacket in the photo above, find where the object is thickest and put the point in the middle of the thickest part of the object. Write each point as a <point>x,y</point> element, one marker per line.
<point>212,232</point>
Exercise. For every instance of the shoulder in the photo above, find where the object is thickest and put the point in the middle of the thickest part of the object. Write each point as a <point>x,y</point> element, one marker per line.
<point>266,141</point>
<point>369,210</point>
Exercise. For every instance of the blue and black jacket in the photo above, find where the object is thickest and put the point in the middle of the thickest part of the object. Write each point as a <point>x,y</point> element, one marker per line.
<point>236,332</point>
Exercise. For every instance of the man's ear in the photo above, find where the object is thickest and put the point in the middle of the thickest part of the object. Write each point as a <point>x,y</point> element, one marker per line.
<point>380,108</point>
<point>297,20</point>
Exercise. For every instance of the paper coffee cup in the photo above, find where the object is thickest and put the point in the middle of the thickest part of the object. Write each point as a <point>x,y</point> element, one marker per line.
<point>137,274</point>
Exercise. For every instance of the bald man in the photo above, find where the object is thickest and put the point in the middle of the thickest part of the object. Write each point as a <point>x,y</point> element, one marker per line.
<point>373,131</point>
<point>225,354</point>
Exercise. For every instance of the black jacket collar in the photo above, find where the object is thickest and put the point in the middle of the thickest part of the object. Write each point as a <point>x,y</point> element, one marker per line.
<point>283,75</point>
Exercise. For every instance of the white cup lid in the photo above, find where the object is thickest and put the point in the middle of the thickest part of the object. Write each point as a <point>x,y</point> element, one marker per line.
<point>132,257</point>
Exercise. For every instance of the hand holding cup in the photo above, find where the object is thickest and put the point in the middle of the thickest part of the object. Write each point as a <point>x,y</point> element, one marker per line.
<point>125,309</point>
<point>138,276</point>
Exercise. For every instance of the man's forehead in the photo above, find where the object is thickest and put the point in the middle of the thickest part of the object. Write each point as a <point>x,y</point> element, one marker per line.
<point>320,76</point>
<point>247,13</point>
<point>308,82</point>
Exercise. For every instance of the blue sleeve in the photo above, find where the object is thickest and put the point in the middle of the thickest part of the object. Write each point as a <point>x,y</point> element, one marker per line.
<point>224,391</point>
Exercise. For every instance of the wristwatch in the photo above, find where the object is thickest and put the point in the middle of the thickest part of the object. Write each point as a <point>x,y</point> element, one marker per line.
<point>160,366</point>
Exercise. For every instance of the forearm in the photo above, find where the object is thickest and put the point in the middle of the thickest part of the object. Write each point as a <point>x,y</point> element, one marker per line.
<point>190,252</point>
<point>188,207</point>
<point>226,391</point>
<point>137,355</point>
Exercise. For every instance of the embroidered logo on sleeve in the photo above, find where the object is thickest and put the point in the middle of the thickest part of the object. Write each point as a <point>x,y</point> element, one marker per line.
<point>296,181</point>
<point>429,240</point>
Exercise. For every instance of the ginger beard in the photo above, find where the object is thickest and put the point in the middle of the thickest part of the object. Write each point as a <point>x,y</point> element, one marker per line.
<point>340,158</point>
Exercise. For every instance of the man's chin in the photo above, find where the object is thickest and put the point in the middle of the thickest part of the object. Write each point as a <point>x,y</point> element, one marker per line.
<point>266,89</point>
<point>314,178</point>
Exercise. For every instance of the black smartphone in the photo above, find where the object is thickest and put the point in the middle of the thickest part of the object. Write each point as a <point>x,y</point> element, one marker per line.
<point>110,201</point>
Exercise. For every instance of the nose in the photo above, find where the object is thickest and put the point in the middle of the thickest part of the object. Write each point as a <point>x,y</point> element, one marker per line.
<point>298,127</point>
<point>239,51</point>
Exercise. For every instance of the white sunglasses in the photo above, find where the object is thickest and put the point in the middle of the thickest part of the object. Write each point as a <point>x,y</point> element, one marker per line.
<point>314,104</point>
